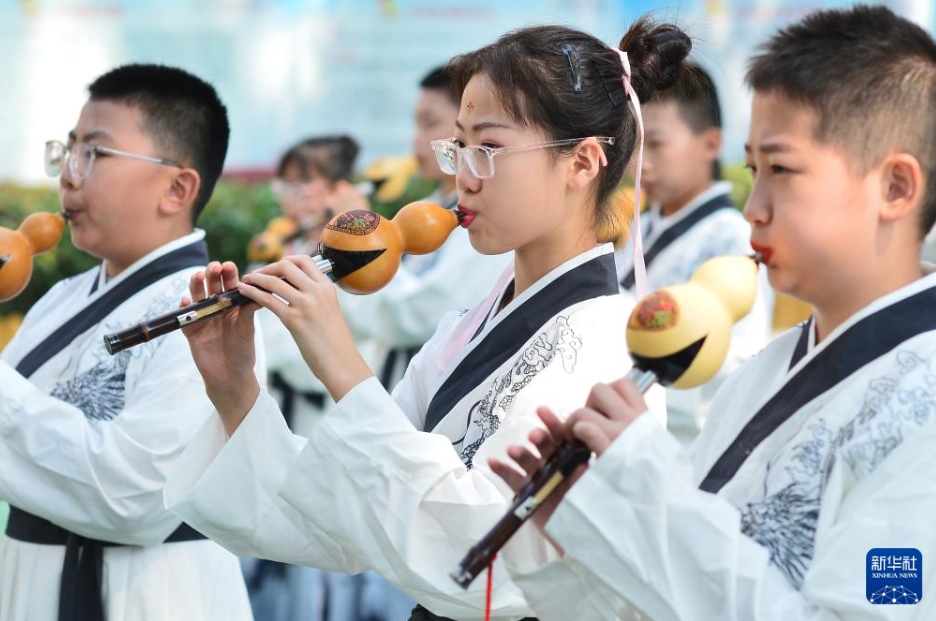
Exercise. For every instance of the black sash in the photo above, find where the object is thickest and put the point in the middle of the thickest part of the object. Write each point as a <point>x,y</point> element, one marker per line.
<point>396,357</point>
<point>192,255</point>
<point>420,613</point>
<point>289,396</point>
<point>80,594</point>
<point>722,201</point>
<point>867,340</point>
<point>592,279</point>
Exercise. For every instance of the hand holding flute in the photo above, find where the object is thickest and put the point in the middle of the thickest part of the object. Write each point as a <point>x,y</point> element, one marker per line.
<point>304,298</point>
<point>677,337</point>
<point>359,250</point>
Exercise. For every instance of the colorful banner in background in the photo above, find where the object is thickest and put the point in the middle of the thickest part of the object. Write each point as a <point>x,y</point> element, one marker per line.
<point>288,69</point>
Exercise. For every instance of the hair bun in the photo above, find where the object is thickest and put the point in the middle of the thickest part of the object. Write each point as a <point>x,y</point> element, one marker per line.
<point>673,46</point>
<point>656,53</point>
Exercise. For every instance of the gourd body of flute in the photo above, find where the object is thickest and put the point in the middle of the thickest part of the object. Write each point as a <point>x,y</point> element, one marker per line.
<point>38,233</point>
<point>418,228</point>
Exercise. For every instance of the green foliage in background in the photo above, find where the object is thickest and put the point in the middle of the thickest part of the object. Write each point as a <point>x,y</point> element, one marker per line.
<point>740,178</point>
<point>417,189</point>
<point>237,211</point>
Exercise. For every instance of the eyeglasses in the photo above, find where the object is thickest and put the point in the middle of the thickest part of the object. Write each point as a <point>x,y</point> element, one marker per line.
<point>79,158</point>
<point>294,189</point>
<point>480,159</point>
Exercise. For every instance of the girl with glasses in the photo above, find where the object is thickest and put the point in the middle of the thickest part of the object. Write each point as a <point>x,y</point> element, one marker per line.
<point>399,483</point>
<point>313,183</point>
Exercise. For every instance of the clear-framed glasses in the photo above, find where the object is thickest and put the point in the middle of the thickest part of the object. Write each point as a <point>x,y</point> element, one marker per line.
<point>294,189</point>
<point>79,158</point>
<point>480,159</point>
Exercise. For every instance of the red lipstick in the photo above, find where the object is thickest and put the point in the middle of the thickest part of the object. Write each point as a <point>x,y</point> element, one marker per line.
<point>465,216</point>
<point>764,251</point>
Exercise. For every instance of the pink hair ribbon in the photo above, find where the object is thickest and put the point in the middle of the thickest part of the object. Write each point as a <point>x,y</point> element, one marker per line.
<point>640,269</point>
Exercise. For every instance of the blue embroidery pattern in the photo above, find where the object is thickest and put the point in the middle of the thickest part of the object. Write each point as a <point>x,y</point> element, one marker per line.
<point>558,339</point>
<point>785,520</point>
<point>100,391</point>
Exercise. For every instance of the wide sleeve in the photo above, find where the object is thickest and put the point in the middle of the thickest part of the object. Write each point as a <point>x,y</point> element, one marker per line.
<point>366,491</point>
<point>369,490</point>
<point>227,488</point>
<point>398,500</point>
<point>638,524</point>
<point>405,312</point>
<point>97,477</point>
<point>564,589</point>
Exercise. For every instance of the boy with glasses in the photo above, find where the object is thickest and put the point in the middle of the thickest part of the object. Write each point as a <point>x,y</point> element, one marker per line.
<point>87,440</point>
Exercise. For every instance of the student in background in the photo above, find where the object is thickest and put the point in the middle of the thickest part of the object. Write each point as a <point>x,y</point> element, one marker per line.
<point>691,219</point>
<point>313,184</point>
<point>402,316</point>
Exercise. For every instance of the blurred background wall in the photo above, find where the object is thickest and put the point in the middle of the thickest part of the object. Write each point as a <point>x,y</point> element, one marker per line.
<point>291,68</point>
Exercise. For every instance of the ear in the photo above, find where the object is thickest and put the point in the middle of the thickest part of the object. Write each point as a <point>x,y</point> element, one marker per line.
<point>902,186</point>
<point>711,140</point>
<point>182,192</point>
<point>585,164</point>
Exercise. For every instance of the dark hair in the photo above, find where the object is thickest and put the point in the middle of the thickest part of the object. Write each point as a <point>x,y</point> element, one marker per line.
<point>182,114</point>
<point>870,77</point>
<point>439,79</point>
<point>696,100</point>
<point>570,85</point>
<point>331,157</point>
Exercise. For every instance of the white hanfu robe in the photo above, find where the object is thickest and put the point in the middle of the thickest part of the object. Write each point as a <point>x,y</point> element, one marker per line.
<point>708,226</point>
<point>842,467</point>
<point>370,489</point>
<point>87,442</point>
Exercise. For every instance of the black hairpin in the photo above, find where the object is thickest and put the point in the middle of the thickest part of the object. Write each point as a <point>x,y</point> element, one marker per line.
<point>575,65</point>
<point>613,81</point>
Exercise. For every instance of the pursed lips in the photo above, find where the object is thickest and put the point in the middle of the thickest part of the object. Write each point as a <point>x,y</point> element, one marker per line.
<point>466,216</point>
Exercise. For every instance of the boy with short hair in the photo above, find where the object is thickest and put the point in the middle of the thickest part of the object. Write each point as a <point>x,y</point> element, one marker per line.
<point>86,439</point>
<point>691,218</point>
<point>818,470</point>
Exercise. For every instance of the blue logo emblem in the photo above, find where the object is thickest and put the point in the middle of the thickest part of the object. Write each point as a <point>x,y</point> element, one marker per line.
<point>894,576</point>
